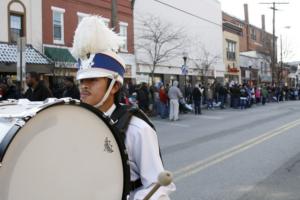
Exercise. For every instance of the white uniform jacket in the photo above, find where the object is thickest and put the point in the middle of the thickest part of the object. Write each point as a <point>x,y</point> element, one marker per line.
<point>145,162</point>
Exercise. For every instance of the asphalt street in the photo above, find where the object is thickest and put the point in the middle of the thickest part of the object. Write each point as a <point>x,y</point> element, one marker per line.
<point>251,154</point>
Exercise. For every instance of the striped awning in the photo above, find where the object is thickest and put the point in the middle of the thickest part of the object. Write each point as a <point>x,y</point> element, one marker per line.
<point>8,54</point>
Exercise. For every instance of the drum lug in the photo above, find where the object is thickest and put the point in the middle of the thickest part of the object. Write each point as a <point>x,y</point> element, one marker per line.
<point>20,123</point>
<point>112,122</point>
<point>67,100</point>
<point>70,100</point>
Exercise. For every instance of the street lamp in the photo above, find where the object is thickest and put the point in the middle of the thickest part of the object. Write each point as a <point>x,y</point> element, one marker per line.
<point>184,70</point>
<point>250,70</point>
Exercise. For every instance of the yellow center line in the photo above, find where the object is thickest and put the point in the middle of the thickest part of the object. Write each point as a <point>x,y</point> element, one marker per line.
<point>219,157</point>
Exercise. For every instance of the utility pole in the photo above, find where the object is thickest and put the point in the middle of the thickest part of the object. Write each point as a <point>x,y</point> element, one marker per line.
<point>274,38</point>
<point>114,15</point>
<point>21,63</point>
<point>132,4</point>
<point>281,64</point>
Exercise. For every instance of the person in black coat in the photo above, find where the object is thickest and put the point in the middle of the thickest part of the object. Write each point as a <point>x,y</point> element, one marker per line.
<point>37,90</point>
<point>8,92</point>
<point>197,99</point>
<point>143,97</point>
<point>3,91</point>
<point>71,90</point>
<point>222,96</point>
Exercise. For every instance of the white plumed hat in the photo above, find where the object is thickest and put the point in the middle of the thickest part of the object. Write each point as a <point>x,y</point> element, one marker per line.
<point>94,47</point>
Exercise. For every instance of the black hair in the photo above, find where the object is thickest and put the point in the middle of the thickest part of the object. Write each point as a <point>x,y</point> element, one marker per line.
<point>34,75</point>
<point>69,78</point>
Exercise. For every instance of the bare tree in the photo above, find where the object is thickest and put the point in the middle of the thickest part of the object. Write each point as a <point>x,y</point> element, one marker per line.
<point>287,51</point>
<point>205,62</point>
<point>159,41</point>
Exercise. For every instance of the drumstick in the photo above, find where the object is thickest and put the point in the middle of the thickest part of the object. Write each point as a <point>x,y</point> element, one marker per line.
<point>164,179</point>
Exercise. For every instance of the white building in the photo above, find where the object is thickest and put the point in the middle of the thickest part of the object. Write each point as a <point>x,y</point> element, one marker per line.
<point>201,21</point>
<point>256,67</point>
<point>22,19</point>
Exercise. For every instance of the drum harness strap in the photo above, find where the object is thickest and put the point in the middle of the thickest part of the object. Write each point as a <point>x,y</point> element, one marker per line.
<point>122,116</point>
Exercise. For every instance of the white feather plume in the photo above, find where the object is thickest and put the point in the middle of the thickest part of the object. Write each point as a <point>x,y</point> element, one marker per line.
<point>93,36</point>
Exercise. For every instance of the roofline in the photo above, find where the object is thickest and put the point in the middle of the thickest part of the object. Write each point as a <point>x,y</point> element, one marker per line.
<point>232,26</point>
<point>244,23</point>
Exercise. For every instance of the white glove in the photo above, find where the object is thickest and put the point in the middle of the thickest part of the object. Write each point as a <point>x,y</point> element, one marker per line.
<point>164,197</point>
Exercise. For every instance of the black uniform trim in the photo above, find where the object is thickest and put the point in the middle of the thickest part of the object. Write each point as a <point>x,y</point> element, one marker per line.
<point>122,116</point>
<point>135,184</point>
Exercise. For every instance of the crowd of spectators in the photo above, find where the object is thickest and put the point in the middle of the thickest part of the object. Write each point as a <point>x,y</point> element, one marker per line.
<point>161,99</point>
<point>37,89</point>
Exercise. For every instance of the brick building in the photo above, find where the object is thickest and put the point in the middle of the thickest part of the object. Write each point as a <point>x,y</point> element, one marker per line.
<point>60,19</point>
<point>254,39</point>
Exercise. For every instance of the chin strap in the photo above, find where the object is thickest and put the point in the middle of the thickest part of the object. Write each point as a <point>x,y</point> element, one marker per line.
<point>112,83</point>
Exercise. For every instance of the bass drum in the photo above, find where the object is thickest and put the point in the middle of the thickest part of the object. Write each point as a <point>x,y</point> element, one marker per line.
<point>60,151</point>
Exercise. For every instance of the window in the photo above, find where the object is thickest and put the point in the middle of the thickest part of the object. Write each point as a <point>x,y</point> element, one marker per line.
<point>266,68</point>
<point>123,34</point>
<point>231,48</point>
<point>261,36</point>
<point>16,27</point>
<point>81,16</point>
<point>106,21</point>
<point>253,34</point>
<point>58,25</point>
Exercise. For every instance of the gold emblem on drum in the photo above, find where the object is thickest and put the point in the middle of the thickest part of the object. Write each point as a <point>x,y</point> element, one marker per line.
<point>108,146</point>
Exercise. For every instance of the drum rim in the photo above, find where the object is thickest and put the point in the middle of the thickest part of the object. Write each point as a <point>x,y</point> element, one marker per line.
<point>9,137</point>
<point>121,145</point>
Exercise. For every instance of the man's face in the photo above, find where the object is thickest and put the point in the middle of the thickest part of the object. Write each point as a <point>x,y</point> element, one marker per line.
<point>68,84</point>
<point>29,80</point>
<point>92,90</point>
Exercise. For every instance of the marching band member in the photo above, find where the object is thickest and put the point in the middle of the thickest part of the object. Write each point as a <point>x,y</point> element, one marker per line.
<point>101,77</point>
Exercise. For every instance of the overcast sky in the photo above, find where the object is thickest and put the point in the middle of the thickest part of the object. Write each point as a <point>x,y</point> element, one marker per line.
<point>287,15</point>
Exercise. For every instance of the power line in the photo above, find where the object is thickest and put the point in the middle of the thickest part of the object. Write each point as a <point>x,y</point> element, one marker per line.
<point>186,12</point>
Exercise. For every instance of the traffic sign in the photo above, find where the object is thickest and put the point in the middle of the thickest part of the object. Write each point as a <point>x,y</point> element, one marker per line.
<point>184,69</point>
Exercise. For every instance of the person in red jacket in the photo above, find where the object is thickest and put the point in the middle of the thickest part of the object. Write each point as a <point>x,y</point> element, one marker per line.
<point>164,101</point>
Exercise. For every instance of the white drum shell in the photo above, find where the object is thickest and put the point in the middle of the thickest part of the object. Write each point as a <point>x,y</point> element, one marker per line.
<point>62,154</point>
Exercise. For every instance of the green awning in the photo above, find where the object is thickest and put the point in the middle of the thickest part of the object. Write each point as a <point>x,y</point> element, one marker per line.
<point>59,54</point>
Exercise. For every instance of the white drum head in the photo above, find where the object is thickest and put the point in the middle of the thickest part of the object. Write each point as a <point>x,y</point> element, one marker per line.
<point>65,152</point>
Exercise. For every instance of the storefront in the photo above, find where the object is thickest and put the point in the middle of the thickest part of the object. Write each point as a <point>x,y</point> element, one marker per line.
<point>35,61</point>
